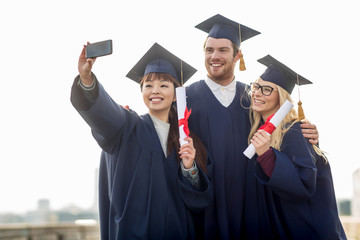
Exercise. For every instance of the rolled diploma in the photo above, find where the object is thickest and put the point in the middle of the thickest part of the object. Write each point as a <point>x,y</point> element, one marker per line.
<point>275,120</point>
<point>181,105</point>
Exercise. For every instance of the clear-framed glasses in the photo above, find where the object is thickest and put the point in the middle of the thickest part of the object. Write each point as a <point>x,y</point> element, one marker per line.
<point>265,90</point>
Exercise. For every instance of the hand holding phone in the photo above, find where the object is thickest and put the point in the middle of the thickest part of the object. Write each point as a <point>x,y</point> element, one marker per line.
<point>98,49</point>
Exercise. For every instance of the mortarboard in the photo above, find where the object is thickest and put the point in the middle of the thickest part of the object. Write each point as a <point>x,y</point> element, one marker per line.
<point>282,76</point>
<point>219,26</point>
<point>159,60</point>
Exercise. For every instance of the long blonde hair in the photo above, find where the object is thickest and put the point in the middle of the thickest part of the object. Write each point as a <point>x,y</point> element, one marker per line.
<point>278,135</point>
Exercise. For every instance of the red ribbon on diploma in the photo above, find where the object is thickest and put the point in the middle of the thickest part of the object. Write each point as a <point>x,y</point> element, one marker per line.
<point>268,126</point>
<point>184,122</point>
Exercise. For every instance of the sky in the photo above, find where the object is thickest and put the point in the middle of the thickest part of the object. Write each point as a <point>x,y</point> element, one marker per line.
<point>47,150</point>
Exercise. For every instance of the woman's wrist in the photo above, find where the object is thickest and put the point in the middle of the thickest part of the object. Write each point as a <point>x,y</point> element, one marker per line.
<point>86,80</point>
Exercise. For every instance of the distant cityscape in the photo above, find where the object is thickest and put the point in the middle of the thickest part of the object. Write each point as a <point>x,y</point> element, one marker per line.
<point>44,213</point>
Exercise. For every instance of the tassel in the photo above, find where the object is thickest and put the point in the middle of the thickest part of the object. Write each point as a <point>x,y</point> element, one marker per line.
<point>242,63</point>
<point>301,114</point>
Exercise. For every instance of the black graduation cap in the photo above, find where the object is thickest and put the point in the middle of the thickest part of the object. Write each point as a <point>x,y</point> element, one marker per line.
<point>219,26</point>
<point>159,60</point>
<point>280,74</point>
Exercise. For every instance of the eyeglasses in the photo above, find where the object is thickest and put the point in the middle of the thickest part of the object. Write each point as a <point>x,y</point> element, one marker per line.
<point>265,90</point>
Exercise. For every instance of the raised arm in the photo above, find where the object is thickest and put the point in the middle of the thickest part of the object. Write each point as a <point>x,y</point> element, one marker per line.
<point>84,68</point>
<point>108,120</point>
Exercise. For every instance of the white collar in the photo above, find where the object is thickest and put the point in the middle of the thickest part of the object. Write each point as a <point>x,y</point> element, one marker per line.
<point>214,86</point>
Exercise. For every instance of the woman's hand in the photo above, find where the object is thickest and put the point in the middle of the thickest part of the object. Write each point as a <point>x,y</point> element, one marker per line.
<point>85,66</point>
<point>261,142</point>
<point>187,153</point>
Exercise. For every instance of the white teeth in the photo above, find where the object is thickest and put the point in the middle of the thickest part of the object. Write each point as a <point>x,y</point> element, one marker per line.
<point>258,101</point>
<point>216,64</point>
<point>156,99</point>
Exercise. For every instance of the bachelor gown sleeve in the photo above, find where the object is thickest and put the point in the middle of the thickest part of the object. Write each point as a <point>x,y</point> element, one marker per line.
<point>105,117</point>
<point>197,200</point>
<point>294,174</point>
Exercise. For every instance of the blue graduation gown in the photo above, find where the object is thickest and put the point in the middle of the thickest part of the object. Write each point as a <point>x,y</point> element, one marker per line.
<point>224,132</point>
<point>142,194</point>
<point>298,201</point>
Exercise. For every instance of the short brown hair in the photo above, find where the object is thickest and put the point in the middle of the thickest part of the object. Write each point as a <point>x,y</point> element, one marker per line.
<point>234,46</point>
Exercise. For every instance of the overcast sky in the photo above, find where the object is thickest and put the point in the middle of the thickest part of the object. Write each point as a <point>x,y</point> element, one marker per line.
<point>47,150</point>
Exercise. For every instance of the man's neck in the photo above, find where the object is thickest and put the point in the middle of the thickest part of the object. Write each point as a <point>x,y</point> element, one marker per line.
<point>222,82</point>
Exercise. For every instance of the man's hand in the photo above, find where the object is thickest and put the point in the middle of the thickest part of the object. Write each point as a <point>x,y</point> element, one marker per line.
<point>125,107</point>
<point>310,132</point>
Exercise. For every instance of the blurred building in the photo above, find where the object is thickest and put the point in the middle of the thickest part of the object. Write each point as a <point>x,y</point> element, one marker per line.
<point>344,207</point>
<point>356,198</point>
<point>43,214</point>
<point>95,206</point>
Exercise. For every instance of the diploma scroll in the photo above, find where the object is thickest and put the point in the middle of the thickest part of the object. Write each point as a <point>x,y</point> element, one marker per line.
<point>181,108</point>
<point>275,121</point>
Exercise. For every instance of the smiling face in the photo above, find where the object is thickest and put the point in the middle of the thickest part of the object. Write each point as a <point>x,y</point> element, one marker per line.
<point>219,60</point>
<point>158,94</point>
<point>265,105</point>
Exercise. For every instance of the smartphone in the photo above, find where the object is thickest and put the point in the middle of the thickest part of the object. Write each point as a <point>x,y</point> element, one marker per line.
<point>98,49</point>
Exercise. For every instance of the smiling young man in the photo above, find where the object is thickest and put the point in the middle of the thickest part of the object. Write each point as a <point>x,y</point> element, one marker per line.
<point>220,60</point>
<point>222,123</point>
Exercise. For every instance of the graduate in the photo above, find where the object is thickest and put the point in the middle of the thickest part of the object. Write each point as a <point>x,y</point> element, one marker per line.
<point>220,117</point>
<point>298,197</point>
<point>148,185</point>
<point>223,125</point>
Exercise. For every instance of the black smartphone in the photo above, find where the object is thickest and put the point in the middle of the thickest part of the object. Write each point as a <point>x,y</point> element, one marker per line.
<point>98,49</point>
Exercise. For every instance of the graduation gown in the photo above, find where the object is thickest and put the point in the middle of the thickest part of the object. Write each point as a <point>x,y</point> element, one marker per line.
<point>224,132</point>
<point>142,193</point>
<point>298,200</point>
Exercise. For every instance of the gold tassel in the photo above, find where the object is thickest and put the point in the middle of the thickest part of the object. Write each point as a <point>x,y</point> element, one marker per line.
<point>301,114</point>
<point>242,63</point>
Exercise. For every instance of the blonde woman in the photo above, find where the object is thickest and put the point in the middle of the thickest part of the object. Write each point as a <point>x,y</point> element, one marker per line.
<point>296,192</point>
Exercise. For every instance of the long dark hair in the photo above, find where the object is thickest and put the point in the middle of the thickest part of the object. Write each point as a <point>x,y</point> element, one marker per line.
<point>173,138</point>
